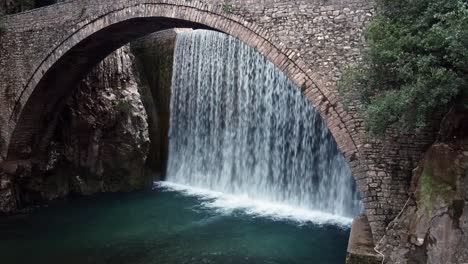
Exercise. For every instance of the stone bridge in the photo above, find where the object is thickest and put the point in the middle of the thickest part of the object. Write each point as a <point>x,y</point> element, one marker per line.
<point>46,51</point>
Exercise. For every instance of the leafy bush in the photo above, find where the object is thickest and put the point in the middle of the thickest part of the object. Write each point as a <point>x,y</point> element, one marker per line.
<point>415,64</point>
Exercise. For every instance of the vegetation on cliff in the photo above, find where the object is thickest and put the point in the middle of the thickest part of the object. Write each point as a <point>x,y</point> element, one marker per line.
<point>433,191</point>
<point>415,64</point>
<point>16,6</point>
<point>23,5</point>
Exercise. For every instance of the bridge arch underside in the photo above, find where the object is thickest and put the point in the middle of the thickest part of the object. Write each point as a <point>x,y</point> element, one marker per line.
<point>40,101</point>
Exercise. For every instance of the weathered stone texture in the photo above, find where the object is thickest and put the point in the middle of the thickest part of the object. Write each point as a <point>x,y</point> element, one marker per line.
<point>43,52</point>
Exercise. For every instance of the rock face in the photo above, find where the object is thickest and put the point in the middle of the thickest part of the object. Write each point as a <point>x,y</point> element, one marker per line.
<point>100,143</point>
<point>101,140</point>
<point>103,132</point>
<point>7,194</point>
<point>154,56</point>
<point>433,226</point>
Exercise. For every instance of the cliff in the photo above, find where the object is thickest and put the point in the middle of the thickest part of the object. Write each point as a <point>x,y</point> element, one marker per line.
<point>433,226</point>
<point>154,58</point>
<point>100,143</point>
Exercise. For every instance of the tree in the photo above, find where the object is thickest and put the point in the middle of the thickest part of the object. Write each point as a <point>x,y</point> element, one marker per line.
<point>415,65</point>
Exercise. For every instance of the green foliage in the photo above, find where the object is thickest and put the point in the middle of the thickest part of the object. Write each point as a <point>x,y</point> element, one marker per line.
<point>23,5</point>
<point>123,107</point>
<point>425,189</point>
<point>432,190</point>
<point>227,8</point>
<point>415,64</point>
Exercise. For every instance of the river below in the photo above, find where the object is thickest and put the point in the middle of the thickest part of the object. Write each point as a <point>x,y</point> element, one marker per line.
<point>166,226</point>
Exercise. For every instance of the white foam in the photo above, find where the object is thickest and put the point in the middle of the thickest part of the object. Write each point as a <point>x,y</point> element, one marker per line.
<point>227,203</point>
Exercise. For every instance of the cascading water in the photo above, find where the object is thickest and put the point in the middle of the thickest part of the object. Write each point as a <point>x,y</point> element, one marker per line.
<point>240,127</point>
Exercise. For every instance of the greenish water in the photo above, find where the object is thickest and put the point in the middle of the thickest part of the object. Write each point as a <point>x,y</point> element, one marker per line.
<point>163,226</point>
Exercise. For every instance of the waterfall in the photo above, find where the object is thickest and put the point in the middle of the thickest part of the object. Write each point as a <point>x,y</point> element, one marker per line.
<point>240,127</point>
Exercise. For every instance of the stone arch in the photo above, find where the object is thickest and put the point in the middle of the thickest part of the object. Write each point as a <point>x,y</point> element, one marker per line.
<point>116,22</point>
<point>127,20</point>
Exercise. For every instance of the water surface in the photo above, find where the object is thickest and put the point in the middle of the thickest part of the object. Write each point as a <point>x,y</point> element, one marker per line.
<point>164,226</point>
